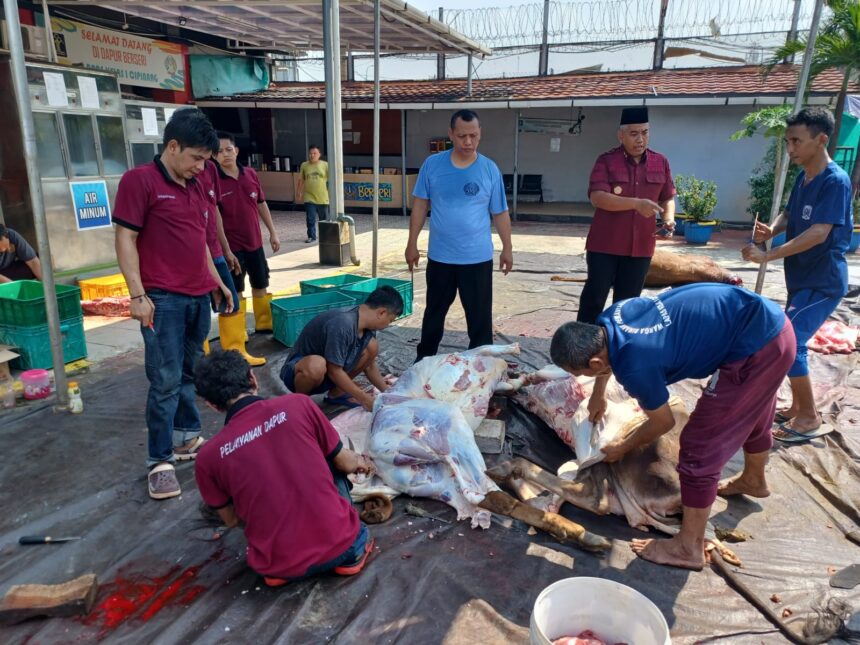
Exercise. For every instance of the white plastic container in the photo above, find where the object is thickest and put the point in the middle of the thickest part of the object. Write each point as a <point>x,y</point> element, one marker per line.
<point>613,611</point>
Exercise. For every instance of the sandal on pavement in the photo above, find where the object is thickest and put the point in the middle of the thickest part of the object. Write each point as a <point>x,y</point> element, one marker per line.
<point>189,450</point>
<point>162,482</point>
<point>358,565</point>
<point>795,436</point>
<point>344,399</point>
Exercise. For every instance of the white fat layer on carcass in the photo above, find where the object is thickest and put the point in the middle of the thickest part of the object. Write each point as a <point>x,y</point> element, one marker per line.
<point>422,433</point>
<point>465,379</point>
<point>548,373</point>
<point>425,448</point>
<point>353,426</point>
<point>563,405</point>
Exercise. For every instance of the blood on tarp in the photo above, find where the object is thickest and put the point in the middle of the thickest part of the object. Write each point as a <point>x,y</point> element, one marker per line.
<point>131,597</point>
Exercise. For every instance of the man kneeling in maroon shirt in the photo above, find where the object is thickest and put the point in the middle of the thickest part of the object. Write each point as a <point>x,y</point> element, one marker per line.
<point>279,467</point>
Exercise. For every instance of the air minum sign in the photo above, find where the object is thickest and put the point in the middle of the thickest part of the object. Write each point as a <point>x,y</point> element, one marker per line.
<point>135,60</point>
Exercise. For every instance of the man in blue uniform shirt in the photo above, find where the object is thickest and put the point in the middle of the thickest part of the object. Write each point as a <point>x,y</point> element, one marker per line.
<point>817,222</point>
<point>465,191</point>
<point>741,340</point>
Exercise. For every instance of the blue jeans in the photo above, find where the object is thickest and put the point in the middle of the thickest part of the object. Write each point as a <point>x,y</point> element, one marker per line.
<point>354,552</point>
<point>227,278</point>
<point>311,212</point>
<point>171,350</point>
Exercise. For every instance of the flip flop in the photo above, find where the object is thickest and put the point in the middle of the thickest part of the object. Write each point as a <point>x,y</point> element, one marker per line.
<point>780,418</point>
<point>803,437</point>
<point>344,399</point>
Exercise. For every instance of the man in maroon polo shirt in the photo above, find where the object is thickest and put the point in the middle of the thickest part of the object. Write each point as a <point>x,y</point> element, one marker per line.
<point>231,326</point>
<point>161,213</point>
<point>629,186</point>
<point>242,202</point>
<point>279,467</point>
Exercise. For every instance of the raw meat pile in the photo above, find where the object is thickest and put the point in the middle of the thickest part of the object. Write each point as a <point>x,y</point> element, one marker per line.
<point>587,637</point>
<point>834,337</point>
<point>422,435</point>
<point>114,307</point>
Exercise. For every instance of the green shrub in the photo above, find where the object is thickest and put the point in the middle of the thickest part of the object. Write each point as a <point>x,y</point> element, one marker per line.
<point>698,197</point>
<point>761,185</point>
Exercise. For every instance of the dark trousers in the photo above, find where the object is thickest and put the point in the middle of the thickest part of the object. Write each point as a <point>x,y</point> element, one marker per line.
<point>474,283</point>
<point>624,275</point>
<point>18,271</point>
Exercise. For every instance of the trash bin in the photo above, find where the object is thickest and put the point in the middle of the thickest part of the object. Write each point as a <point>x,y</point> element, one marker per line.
<point>334,243</point>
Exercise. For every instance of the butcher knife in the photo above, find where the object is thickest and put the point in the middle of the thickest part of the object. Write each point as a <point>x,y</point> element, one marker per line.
<point>44,539</point>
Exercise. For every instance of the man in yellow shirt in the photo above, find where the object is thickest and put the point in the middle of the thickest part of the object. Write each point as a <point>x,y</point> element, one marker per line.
<point>313,186</point>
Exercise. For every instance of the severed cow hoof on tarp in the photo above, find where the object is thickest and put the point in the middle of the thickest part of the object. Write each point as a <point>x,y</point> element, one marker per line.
<point>377,509</point>
<point>561,528</point>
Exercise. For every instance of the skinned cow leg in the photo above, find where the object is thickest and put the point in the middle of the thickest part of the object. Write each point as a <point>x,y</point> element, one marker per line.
<point>585,494</point>
<point>559,527</point>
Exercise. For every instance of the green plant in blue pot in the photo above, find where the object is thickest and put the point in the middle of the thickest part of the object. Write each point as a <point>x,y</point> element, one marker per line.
<point>698,199</point>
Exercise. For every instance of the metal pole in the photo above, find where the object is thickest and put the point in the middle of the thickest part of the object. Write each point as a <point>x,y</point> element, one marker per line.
<point>376,135</point>
<point>792,34</point>
<point>334,125</point>
<point>658,44</point>
<point>403,181</point>
<point>440,58</point>
<point>469,76</point>
<point>307,142</point>
<point>798,105</point>
<point>516,164</point>
<point>34,181</point>
<point>543,61</point>
<point>49,32</point>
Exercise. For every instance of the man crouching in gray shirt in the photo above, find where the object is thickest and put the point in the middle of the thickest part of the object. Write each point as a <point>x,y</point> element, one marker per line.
<point>338,345</point>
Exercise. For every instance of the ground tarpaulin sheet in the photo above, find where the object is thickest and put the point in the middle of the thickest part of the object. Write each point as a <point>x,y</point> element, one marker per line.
<point>164,579</point>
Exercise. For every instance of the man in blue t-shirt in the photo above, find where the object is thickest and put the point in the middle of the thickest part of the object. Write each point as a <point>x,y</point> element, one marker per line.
<point>465,191</point>
<point>743,341</point>
<point>818,222</point>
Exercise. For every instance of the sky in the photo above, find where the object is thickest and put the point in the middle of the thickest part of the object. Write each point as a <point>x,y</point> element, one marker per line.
<point>614,58</point>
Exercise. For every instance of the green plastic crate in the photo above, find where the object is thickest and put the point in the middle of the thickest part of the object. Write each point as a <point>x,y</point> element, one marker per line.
<point>22,303</point>
<point>34,344</point>
<point>336,282</point>
<point>359,292</point>
<point>290,315</point>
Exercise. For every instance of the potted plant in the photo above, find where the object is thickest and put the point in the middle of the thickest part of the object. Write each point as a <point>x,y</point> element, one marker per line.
<point>698,199</point>
<point>855,235</point>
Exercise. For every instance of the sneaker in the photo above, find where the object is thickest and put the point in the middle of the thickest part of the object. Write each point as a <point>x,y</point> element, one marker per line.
<point>309,240</point>
<point>189,451</point>
<point>352,568</point>
<point>162,482</point>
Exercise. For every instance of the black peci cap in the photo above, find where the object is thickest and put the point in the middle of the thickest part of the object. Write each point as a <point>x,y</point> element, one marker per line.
<point>634,115</point>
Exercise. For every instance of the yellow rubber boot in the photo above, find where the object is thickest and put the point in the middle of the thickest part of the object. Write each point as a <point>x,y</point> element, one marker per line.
<point>243,307</point>
<point>206,346</point>
<point>263,313</point>
<point>232,330</point>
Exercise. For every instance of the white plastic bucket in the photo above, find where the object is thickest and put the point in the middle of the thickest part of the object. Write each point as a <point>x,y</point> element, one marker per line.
<point>613,611</point>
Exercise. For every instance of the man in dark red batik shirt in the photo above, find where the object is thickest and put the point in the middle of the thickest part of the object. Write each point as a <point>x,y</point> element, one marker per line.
<point>629,186</point>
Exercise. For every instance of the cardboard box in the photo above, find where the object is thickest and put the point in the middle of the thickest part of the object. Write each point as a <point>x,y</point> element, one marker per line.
<point>6,355</point>
<point>390,171</point>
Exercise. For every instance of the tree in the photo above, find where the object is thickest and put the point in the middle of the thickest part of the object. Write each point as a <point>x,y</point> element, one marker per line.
<point>836,47</point>
<point>771,121</point>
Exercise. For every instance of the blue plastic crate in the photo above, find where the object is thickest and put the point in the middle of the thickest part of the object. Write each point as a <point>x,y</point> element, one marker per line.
<point>359,292</point>
<point>34,343</point>
<point>290,315</point>
<point>332,282</point>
